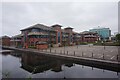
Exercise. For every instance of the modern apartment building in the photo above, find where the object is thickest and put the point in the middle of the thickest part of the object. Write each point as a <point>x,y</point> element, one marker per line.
<point>52,35</point>
<point>104,33</point>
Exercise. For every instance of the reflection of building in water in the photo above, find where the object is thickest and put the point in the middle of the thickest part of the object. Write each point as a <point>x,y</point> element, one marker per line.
<point>69,64</point>
<point>39,63</point>
<point>57,66</point>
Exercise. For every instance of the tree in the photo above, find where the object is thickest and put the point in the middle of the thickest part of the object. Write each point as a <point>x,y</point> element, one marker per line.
<point>118,38</point>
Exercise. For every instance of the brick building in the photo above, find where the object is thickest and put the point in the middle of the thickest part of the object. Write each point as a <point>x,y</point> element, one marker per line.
<point>16,41</point>
<point>53,35</point>
<point>38,32</point>
<point>87,36</point>
<point>5,41</point>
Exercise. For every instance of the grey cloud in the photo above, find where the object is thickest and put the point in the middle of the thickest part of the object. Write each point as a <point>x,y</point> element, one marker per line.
<point>80,16</point>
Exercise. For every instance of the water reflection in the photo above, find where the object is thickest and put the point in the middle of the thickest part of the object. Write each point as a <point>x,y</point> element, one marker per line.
<point>36,64</point>
<point>20,65</point>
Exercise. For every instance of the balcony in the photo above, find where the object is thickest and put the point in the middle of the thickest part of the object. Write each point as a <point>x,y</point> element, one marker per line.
<point>37,33</point>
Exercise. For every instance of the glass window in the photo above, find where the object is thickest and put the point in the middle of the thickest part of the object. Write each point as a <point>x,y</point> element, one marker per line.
<point>35,30</point>
<point>58,37</point>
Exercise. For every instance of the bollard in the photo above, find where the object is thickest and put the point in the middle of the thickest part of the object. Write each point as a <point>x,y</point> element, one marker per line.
<point>74,53</point>
<point>92,68</point>
<point>117,73</point>
<point>103,70</point>
<point>82,66</point>
<point>104,47</point>
<point>50,50</point>
<point>67,52</point>
<point>103,55</point>
<point>117,57</point>
<point>64,51</point>
<point>82,54</point>
<point>55,51</point>
<point>92,55</point>
<point>60,51</point>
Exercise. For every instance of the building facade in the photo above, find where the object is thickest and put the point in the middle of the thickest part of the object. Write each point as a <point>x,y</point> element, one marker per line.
<point>16,41</point>
<point>52,35</point>
<point>5,41</point>
<point>87,36</point>
<point>104,33</point>
<point>36,33</point>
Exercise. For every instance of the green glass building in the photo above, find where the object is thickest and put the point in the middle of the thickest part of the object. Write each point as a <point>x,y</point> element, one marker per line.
<point>104,33</point>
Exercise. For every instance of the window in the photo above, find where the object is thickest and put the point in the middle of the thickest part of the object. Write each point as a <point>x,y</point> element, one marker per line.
<point>35,30</point>
<point>58,37</point>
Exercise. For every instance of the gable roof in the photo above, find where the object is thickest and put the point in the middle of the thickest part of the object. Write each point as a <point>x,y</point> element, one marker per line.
<point>68,28</point>
<point>56,25</point>
<point>39,26</point>
<point>5,37</point>
<point>88,32</point>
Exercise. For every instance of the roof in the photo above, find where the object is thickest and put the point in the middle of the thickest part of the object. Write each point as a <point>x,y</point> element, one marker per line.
<point>5,36</point>
<point>39,26</point>
<point>68,28</point>
<point>75,32</point>
<point>18,36</point>
<point>56,25</point>
<point>88,32</point>
<point>97,28</point>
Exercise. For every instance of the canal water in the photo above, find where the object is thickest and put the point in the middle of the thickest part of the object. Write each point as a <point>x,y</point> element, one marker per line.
<point>30,65</point>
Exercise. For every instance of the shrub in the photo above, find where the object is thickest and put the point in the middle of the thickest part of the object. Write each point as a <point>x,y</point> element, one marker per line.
<point>33,47</point>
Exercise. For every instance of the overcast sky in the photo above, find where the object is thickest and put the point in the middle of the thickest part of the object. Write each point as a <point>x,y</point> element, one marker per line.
<point>79,15</point>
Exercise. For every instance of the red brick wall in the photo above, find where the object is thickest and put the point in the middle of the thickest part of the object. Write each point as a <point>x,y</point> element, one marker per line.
<point>42,46</point>
<point>89,39</point>
<point>6,41</point>
<point>58,29</point>
<point>38,39</point>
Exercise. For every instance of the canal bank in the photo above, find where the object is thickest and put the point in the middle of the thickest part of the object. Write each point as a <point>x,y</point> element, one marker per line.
<point>104,64</point>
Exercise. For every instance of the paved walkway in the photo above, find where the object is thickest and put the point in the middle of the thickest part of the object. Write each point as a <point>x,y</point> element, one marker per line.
<point>99,52</point>
<point>109,53</point>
